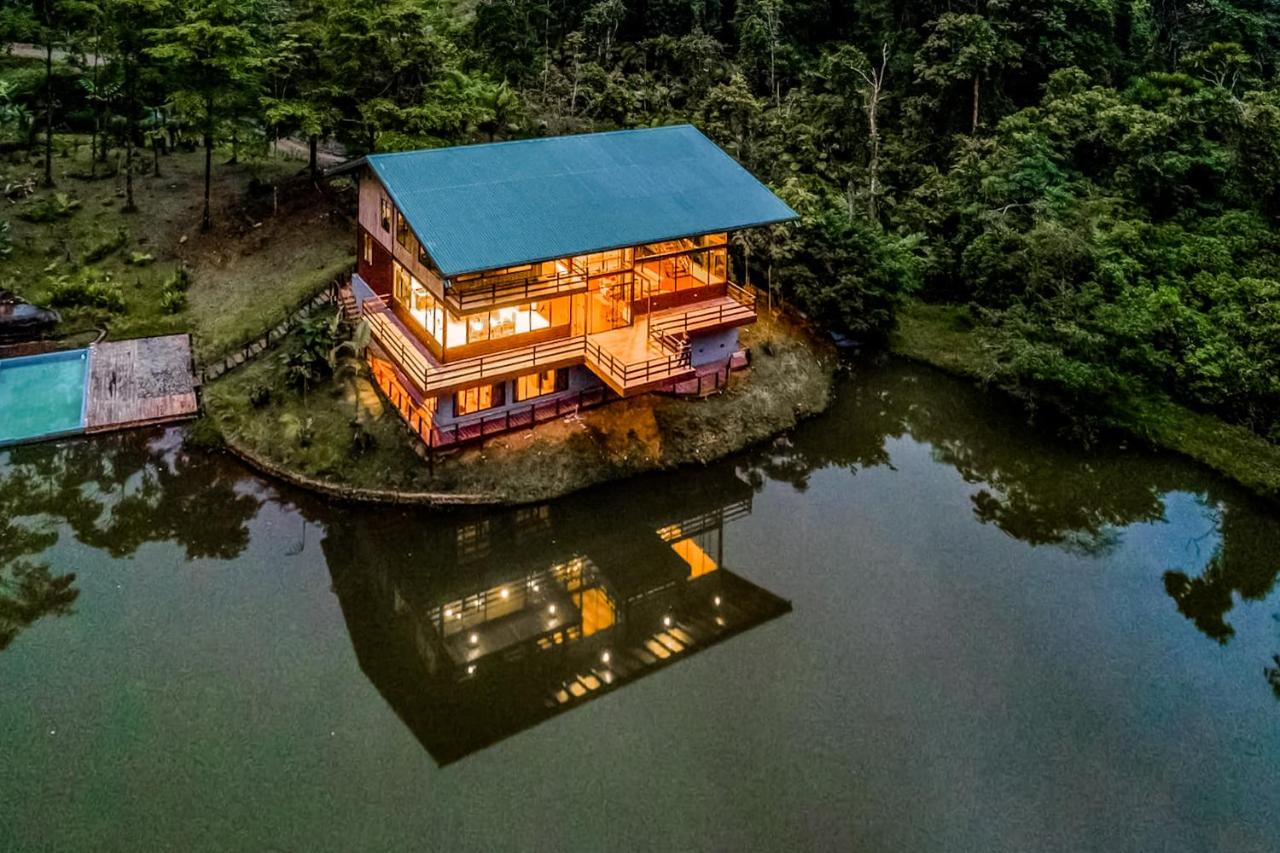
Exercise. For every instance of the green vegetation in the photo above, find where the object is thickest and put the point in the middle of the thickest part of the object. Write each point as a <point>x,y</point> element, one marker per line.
<point>1097,183</point>
<point>136,275</point>
<point>335,427</point>
<point>946,337</point>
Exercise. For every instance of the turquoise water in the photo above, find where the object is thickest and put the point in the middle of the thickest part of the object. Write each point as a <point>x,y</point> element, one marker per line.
<point>42,395</point>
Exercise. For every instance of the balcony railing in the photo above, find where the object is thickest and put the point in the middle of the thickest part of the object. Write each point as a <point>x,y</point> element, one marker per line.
<point>482,425</point>
<point>434,378</point>
<point>522,287</point>
<point>672,331</point>
<point>623,375</point>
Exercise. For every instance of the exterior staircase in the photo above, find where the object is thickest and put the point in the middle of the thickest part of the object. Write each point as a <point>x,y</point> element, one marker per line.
<point>347,304</point>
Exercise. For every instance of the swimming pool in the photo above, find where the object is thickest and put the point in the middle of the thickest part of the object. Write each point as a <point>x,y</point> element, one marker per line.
<point>42,396</point>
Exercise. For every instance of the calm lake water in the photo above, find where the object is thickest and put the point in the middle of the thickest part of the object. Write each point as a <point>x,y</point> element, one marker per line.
<point>914,624</point>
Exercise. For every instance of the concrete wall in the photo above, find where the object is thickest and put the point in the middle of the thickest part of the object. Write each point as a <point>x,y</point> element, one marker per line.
<point>713,346</point>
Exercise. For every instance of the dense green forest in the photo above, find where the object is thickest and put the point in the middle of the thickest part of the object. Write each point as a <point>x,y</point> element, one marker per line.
<point>1097,180</point>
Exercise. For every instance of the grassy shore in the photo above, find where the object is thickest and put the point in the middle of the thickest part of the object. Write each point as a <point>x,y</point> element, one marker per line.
<point>275,240</point>
<point>945,337</point>
<point>312,435</point>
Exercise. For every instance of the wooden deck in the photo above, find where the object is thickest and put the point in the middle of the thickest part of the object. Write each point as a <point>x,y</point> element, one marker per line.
<point>139,382</point>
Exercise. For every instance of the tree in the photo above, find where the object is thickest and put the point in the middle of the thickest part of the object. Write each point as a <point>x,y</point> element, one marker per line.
<point>760,29</point>
<point>965,47</point>
<point>132,24</point>
<point>215,57</point>
<point>51,24</point>
<point>301,88</point>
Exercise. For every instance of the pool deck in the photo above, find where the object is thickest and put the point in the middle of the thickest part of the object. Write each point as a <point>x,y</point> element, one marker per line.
<point>140,382</point>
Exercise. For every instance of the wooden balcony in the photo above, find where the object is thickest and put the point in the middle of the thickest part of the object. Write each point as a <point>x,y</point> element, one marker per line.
<point>434,377</point>
<point>493,292</point>
<point>653,352</point>
<point>737,308</point>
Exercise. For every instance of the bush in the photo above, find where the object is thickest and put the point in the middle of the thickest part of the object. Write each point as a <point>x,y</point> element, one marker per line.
<point>259,395</point>
<point>173,301</point>
<point>179,281</point>
<point>49,208</point>
<point>85,290</point>
<point>106,246</point>
<point>6,241</point>
<point>139,259</point>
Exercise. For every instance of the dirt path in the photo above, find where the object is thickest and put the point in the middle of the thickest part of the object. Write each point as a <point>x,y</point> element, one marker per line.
<point>297,149</point>
<point>35,51</point>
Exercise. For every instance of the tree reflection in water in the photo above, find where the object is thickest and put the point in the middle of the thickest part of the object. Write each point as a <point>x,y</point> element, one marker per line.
<point>115,493</point>
<point>1039,490</point>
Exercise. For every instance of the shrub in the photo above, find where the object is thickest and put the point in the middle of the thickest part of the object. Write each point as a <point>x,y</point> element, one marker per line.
<point>173,301</point>
<point>106,246</point>
<point>259,395</point>
<point>6,241</point>
<point>139,259</point>
<point>50,208</point>
<point>85,290</point>
<point>179,280</point>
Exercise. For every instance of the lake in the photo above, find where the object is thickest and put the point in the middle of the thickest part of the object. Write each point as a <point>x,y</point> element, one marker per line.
<point>914,623</point>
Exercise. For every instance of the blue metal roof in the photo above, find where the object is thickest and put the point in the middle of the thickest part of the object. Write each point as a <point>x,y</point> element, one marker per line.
<point>479,207</point>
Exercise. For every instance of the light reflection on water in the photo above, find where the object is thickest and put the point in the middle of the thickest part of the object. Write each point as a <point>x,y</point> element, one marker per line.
<point>951,631</point>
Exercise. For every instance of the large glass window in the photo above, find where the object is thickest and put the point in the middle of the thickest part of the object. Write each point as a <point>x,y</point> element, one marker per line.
<point>419,302</point>
<point>612,261</point>
<point>507,321</point>
<point>537,384</point>
<point>472,400</point>
<point>384,213</point>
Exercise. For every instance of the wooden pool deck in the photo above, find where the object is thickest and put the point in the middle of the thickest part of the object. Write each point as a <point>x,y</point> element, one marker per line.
<point>139,383</point>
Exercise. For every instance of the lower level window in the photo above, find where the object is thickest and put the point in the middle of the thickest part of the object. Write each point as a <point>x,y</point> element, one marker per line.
<point>477,399</point>
<point>537,384</point>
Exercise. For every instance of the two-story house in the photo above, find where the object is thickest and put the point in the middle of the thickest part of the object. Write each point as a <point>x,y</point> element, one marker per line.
<point>509,283</point>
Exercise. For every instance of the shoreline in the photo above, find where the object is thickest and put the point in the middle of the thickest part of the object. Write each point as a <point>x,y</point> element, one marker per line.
<point>933,335</point>
<point>791,379</point>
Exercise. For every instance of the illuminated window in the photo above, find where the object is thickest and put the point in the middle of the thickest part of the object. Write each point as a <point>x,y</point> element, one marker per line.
<point>472,400</point>
<point>368,248</point>
<point>384,213</point>
<point>508,321</point>
<point>537,384</point>
<point>417,301</point>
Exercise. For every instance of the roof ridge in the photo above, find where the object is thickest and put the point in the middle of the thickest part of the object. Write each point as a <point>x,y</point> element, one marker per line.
<point>528,139</point>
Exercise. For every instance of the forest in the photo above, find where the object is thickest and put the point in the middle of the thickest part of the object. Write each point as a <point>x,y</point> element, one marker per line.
<point>1095,184</point>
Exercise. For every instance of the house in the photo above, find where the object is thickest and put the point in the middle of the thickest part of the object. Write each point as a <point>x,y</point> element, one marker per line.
<point>506,284</point>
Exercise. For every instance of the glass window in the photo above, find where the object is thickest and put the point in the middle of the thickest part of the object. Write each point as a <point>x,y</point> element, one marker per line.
<point>404,236</point>
<point>508,321</point>
<point>384,213</point>
<point>368,248</point>
<point>419,302</point>
<point>537,384</point>
<point>401,289</point>
<point>472,400</point>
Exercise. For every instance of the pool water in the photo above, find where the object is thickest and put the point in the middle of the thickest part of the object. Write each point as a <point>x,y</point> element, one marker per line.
<point>42,396</point>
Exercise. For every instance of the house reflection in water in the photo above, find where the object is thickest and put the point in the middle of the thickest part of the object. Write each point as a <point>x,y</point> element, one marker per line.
<point>476,628</point>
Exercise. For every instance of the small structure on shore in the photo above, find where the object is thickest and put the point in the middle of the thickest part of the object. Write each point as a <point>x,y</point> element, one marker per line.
<point>22,321</point>
<point>108,386</point>
<point>510,283</point>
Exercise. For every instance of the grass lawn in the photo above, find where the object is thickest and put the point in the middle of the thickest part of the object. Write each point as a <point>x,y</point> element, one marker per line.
<point>790,377</point>
<point>276,240</point>
<point>943,336</point>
